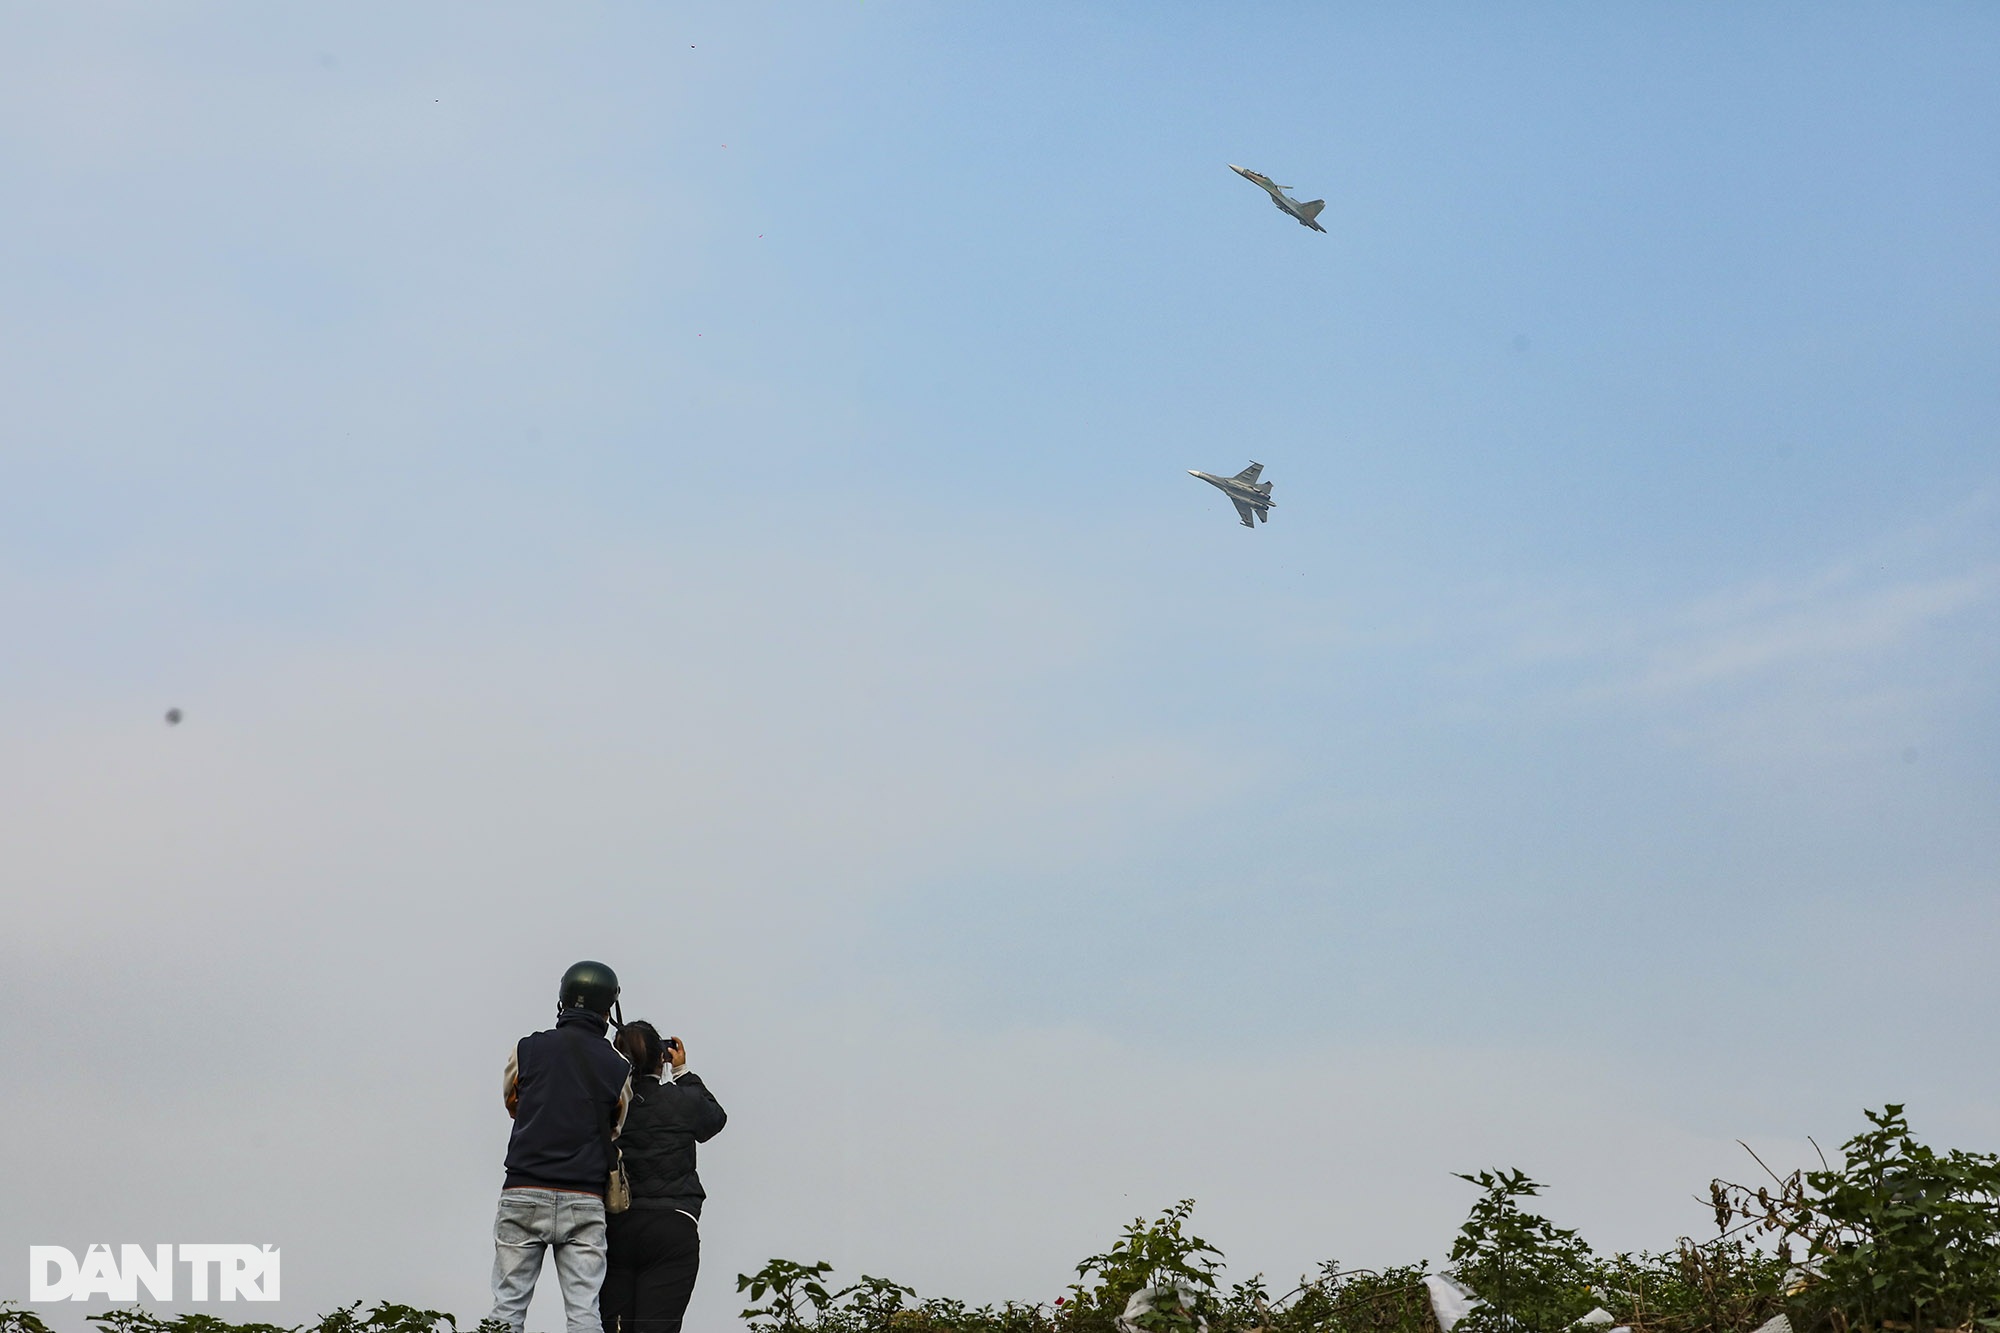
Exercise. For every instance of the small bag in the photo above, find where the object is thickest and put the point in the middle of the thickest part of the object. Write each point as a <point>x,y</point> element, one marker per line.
<point>618,1188</point>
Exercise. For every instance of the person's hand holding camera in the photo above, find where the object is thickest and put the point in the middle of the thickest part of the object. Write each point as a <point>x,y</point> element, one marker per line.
<point>676,1053</point>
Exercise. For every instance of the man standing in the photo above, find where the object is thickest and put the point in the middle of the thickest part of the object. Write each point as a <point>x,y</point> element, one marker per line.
<point>567,1090</point>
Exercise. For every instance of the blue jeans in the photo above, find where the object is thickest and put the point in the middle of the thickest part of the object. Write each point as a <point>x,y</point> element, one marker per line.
<point>529,1222</point>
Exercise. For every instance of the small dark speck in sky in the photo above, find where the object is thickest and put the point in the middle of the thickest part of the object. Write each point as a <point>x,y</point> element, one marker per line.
<point>173,717</point>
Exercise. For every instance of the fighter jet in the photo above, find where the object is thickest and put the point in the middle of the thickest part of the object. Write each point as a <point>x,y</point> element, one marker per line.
<point>1306,214</point>
<point>1244,491</point>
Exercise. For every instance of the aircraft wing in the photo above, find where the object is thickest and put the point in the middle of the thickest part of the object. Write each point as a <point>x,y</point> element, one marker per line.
<point>1244,512</point>
<point>1250,473</point>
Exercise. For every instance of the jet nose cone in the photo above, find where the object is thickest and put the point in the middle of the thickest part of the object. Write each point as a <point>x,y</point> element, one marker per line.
<point>1193,473</point>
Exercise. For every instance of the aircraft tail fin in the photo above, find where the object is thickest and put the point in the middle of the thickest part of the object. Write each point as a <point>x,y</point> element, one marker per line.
<point>1312,209</point>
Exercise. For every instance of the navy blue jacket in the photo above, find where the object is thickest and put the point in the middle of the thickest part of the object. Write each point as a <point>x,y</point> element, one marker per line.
<point>564,1111</point>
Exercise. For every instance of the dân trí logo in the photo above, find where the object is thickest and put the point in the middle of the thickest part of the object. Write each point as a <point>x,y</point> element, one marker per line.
<point>242,1272</point>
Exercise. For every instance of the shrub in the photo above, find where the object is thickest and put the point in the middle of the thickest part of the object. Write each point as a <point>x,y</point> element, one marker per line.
<point>1162,1255</point>
<point>1898,1237</point>
<point>383,1317</point>
<point>1532,1274</point>
<point>1722,1287</point>
<point>1360,1300</point>
<point>13,1320</point>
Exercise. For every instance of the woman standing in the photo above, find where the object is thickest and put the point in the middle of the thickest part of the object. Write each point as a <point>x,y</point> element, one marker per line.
<point>656,1244</point>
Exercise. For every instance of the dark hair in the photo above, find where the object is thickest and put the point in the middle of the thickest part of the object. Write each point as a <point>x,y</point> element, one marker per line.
<point>639,1042</point>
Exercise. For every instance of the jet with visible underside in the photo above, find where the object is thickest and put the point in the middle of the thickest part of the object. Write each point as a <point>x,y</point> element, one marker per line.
<point>1244,491</point>
<point>1307,214</point>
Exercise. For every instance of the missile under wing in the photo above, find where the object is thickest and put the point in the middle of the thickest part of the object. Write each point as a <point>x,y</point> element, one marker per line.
<point>1306,214</point>
<point>1249,495</point>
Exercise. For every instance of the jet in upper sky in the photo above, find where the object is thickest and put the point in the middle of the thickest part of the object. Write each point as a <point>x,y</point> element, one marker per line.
<point>1244,491</point>
<point>1307,214</point>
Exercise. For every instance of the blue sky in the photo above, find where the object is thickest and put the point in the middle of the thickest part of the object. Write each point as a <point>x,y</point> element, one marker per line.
<point>705,487</point>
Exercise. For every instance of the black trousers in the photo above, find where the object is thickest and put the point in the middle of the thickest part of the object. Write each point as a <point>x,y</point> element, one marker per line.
<point>654,1256</point>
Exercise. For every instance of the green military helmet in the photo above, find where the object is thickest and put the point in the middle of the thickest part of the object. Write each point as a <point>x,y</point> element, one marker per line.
<point>588,985</point>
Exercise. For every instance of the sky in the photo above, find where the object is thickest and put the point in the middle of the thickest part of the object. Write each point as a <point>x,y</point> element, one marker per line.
<point>704,487</point>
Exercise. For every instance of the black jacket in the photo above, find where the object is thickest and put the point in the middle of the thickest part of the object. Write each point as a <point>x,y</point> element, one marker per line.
<point>664,1123</point>
<point>567,1107</point>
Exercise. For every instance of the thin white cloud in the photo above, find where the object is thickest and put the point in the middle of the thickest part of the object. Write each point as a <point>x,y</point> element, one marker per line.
<point>1874,652</point>
<point>1825,624</point>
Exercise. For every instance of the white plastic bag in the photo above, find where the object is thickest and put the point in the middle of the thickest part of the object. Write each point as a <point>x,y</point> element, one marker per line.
<point>1450,1301</point>
<point>1146,1299</point>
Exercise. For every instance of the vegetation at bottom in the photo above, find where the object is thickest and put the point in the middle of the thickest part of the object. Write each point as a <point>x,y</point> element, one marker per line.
<point>1898,1238</point>
<point>382,1318</point>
